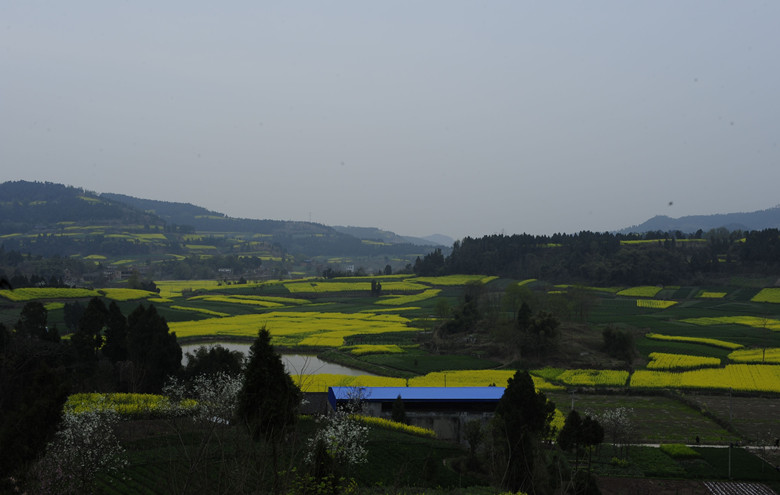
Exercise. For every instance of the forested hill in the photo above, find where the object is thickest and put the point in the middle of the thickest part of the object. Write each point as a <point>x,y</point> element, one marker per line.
<point>612,259</point>
<point>203,220</point>
<point>25,206</point>
<point>42,218</point>
<point>756,220</point>
<point>306,237</point>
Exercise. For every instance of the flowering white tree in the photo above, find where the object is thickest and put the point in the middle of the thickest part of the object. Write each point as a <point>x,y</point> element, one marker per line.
<point>617,425</point>
<point>215,396</point>
<point>84,446</point>
<point>344,438</point>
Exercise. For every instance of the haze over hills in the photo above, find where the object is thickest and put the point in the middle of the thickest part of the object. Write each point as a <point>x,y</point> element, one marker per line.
<point>756,220</point>
<point>26,205</point>
<point>203,219</point>
<point>371,233</point>
<point>41,217</point>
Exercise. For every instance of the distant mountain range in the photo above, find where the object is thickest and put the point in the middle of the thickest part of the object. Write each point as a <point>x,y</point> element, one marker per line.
<point>205,220</point>
<point>29,210</point>
<point>371,233</point>
<point>27,207</point>
<point>756,220</point>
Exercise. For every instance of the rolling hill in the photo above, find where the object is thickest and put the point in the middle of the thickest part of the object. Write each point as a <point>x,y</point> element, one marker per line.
<point>756,220</point>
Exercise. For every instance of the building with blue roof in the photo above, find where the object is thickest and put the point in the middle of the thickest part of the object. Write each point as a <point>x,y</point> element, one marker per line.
<point>443,409</point>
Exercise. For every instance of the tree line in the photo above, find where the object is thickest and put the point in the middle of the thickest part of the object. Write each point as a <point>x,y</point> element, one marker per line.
<point>607,258</point>
<point>107,352</point>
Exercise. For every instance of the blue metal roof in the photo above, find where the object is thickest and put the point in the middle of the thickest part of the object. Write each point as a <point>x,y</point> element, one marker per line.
<point>416,394</point>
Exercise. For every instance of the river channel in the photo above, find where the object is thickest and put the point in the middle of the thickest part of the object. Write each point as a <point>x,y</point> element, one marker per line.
<point>295,364</point>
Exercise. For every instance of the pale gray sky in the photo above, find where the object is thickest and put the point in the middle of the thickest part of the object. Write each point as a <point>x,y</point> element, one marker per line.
<point>461,118</point>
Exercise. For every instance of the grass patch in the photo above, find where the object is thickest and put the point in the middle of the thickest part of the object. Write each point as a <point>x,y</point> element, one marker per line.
<point>421,363</point>
<point>678,451</point>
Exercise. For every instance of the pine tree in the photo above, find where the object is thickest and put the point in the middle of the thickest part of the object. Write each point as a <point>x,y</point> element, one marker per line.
<point>88,337</point>
<point>570,436</point>
<point>523,418</point>
<point>115,347</point>
<point>268,401</point>
<point>399,411</point>
<point>32,321</point>
<point>152,348</point>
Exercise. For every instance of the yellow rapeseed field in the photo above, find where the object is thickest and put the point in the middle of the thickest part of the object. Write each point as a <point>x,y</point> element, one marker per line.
<point>665,361</point>
<point>363,349</point>
<point>400,300</point>
<point>33,293</point>
<point>610,378</point>
<point>200,310</point>
<point>743,377</point>
<point>695,340</point>
<point>395,426</point>
<point>389,310</point>
<point>127,294</point>
<point>770,355</point>
<point>238,300</point>
<point>711,295</point>
<point>771,295</point>
<point>751,321</point>
<point>648,291</point>
<point>449,280</point>
<point>131,405</point>
<point>654,303</point>
<point>295,327</point>
<point>296,301</point>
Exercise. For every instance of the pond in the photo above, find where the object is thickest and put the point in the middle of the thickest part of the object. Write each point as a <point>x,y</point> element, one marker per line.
<point>294,363</point>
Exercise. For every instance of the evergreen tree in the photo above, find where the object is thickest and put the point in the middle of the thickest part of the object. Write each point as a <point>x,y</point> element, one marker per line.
<point>32,321</point>
<point>152,348</point>
<point>399,411</point>
<point>592,435</point>
<point>72,315</point>
<point>115,348</point>
<point>523,418</point>
<point>570,436</point>
<point>579,433</point>
<point>31,398</point>
<point>268,401</point>
<point>88,337</point>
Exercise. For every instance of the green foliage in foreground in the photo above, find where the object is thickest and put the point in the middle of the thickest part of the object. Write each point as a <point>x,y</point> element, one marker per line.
<point>396,461</point>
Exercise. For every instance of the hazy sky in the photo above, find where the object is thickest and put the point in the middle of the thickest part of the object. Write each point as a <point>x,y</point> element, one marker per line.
<point>420,117</point>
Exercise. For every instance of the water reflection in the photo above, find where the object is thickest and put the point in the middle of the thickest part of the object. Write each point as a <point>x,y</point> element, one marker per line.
<point>293,363</point>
